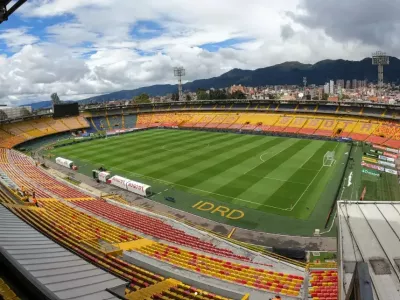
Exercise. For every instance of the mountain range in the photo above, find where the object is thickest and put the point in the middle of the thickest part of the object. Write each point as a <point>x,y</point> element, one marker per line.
<point>290,73</point>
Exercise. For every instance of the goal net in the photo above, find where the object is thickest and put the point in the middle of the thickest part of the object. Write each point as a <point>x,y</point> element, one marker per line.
<point>329,158</point>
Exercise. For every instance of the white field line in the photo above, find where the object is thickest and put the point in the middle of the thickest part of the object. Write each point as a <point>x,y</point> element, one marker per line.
<point>263,161</point>
<point>330,227</point>
<point>192,188</point>
<point>316,175</point>
<point>308,186</point>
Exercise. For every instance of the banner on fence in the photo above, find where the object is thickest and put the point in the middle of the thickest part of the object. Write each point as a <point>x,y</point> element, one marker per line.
<point>386,158</point>
<point>390,155</point>
<point>371,172</point>
<point>369,159</point>
<point>387,164</point>
<point>390,171</point>
<point>372,166</point>
<point>379,147</point>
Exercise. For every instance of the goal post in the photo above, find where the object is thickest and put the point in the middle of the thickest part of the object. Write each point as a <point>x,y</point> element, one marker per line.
<point>329,159</point>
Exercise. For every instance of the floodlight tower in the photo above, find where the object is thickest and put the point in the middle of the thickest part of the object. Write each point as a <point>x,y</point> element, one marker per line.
<point>179,72</point>
<point>380,59</point>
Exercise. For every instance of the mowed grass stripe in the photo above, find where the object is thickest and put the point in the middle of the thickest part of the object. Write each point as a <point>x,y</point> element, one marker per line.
<point>159,158</point>
<point>115,141</point>
<point>151,153</point>
<point>244,182</point>
<point>224,177</point>
<point>284,175</point>
<point>196,165</point>
<point>196,170</point>
<point>230,161</point>
<point>128,149</point>
<point>127,145</point>
<point>114,144</point>
<point>230,141</point>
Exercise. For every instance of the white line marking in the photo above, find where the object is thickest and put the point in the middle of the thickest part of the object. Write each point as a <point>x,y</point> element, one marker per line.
<point>316,175</point>
<point>263,161</point>
<point>191,188</point>
<point>161,192</point>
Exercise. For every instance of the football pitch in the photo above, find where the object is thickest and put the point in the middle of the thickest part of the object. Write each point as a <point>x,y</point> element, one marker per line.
<point>271,177</point>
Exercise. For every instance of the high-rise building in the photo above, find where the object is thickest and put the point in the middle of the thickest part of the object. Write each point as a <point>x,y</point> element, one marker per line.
<point>331,87</point>
<point>326,88</point>
<point>354,84</point>
<point>340,82</point>
<point>348,84</point>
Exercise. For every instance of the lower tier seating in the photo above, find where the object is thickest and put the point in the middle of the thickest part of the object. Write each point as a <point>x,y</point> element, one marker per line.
<point>323,285</point>
<point>5,291</point>
<point>138,278</point>
<point>275,282</point>
<point>151,226</point>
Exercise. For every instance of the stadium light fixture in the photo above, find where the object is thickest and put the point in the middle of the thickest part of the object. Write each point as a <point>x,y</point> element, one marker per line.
<point>180,72</point>
<point>380,59</point>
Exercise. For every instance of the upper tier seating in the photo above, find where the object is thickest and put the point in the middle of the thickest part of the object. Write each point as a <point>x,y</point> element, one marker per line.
<point>323,285</point>
<point>151,226</point>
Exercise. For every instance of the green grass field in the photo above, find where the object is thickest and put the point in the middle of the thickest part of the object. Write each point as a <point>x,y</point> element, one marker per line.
<point>278,183</point>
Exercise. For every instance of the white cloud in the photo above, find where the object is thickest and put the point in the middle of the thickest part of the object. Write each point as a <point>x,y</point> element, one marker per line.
<point>15,38</point>
<point>93,51</point>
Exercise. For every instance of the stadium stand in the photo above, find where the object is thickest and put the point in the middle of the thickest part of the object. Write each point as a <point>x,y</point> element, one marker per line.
<point>362,130</point>
<point>5,291</point>
<point>228,121</point>
<point>69,235</point>
<point>323,284</point>
<point>296,125</point>
<point>151,226</point>
<point>326,128</point>
<point>47,265</point>
<point>284,284</point>
<point>17,133</point>
<point>130,121</point>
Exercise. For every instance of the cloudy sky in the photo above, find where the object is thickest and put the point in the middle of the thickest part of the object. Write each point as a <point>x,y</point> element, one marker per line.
<point>81,48</point>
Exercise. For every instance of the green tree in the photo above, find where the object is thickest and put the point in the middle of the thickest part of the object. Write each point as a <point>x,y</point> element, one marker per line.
<point>188,97</point>
<point>325,96</point>
<point>218,95</point>
<point>238,95</point>
<point>142,98</point>
<point>175,97</point>
<point>202,95</point>
<point>315,98</point>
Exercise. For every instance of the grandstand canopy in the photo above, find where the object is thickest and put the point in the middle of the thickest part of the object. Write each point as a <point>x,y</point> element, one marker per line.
<point>370,232</point>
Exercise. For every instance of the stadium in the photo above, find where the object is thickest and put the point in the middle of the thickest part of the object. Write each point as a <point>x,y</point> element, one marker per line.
<point>232,199</point>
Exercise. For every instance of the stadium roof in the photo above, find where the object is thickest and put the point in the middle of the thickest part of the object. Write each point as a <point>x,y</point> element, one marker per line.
<point>370,232</point>
<point>55,271</point>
